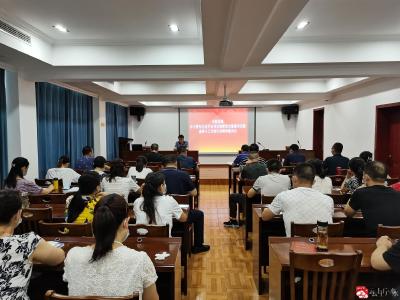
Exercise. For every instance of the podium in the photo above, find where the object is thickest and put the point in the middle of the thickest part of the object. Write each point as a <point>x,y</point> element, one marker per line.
<point>124,145</point>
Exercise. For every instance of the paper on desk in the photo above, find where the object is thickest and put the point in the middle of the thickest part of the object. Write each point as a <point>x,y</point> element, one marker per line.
<point>56,244</point>
<point>162,256</point>
<point>72,190</point>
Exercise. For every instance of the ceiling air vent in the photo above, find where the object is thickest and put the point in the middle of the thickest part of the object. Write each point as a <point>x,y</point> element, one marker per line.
<point>14,32</point>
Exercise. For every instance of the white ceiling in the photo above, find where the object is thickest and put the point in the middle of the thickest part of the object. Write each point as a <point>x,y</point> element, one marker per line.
<point>122,50</point>
<point>106,20</point>
<point>348,18</point>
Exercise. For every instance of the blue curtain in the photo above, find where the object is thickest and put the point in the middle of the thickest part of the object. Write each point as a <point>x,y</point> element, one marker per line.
<point>116,126</point>
<point>3,130</point>
<point>64,124</point>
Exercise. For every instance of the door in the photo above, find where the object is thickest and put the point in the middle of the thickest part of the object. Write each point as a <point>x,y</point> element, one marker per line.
<point>387,141</point>
<point>318,133</point>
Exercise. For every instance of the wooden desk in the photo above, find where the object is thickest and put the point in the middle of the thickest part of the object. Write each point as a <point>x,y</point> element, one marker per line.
<point>262,230</point>
<point>269,154</point>
<point>168,270</point>
<point>279,264</point>
<point>127,155</point>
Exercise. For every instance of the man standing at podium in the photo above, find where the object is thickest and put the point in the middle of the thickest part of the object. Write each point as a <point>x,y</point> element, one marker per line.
<point>181,143</point>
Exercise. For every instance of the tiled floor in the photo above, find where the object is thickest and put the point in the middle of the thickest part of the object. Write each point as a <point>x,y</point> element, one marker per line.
<point>225,272</point>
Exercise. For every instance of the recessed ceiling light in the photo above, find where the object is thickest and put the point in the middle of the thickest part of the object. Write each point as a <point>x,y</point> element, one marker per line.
<point>173,27</point>
<point>303,24</point>
<point>61,28</point>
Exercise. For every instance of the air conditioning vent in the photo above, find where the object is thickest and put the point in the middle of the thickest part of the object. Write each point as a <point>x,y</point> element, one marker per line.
<point>14,32</point>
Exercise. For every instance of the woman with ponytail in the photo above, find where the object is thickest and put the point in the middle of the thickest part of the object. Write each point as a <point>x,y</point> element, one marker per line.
<point>140,171</point>
<point>108,268</point>
<point>15,179</point>
<point>354,175</point>
<point>80,207</point>
<point>154,207</point>
<point>64,172</point>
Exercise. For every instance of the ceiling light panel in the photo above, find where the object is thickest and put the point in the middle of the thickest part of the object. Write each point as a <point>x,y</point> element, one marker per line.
<point>61,28</point>
<point>173,104</point>
<point>303,24</point>
<point>173,27</point>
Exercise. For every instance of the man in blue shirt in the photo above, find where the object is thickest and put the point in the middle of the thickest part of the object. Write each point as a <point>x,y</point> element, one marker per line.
<point>181,142</point>
<point>242,156</point>
<point>294,156</point>
<point>179,182</point>
<point>184,161</point>
<point>85,163</point>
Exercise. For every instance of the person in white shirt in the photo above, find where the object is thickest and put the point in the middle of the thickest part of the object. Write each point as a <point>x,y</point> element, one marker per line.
<point>271,184</point>
<point>140,171</point>
<point>117,182</point>
<point>302,204</point>
<point>64,172</point>
<point>322,183</point>
<point>109,268</point>
<point>157,208</point>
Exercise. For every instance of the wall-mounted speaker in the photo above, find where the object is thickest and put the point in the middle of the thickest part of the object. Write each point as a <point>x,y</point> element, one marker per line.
<point>289,110</point>
<point>137,111</point>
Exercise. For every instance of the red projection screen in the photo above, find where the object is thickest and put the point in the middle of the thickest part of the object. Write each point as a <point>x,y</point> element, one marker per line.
<point>218,130</point>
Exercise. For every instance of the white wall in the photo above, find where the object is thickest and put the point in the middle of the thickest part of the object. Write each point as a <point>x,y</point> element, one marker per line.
<point>351,122</point>
<point>159,125</point>
<point>273,129</point>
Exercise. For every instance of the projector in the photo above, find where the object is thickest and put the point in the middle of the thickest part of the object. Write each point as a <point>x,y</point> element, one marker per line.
<point>225,102</point>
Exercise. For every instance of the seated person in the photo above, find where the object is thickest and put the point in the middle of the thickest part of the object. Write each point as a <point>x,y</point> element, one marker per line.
<point>97,270</point>
<point>335,161</point>
<point>294,157</point>
<point>64,172</point>
<point>321,183</point>
<point>379,204</point>
<point>179,182</point>
<point>154,156</point>
<point>117,183</point>
<point>354,175</point>
<point>366,156</point>
<point>156,208</point>
<point>386,256</point>
<point>181,143</point>
<point>302,204</point>
<point>80,206</point>
<point>15,179</point>
<point>253,168</point>
<point>139,171</point>
<point>17,252</point>
<point>243,154</point>
<point>185,161</point>
<point>99,166</point>
<point>253,148</point>
<point>270,185</point>
<point>85,163</point>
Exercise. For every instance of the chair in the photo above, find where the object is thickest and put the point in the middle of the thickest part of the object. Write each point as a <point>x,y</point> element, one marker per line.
<point>245,185</point>
<point>309,230</point>
<point>31,218</point>
<point>340,198</point>
<point>66,229</point>
<point>49,198</point>
<point>154,168</point>
<point>184,199</point>
<point>331,269</point>
<point>52,295</point>
<point>287,170</point>
<point>138,230</point>
<point>391,231</point>
<point>267,199</point>
<point>337,180</point>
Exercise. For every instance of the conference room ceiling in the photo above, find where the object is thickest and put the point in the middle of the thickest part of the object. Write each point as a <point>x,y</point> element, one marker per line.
<point>123,50</point>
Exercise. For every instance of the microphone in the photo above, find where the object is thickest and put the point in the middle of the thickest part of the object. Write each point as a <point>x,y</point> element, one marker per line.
<point>298,143</point>
<point>145,143</point>
<point>261,145</point>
